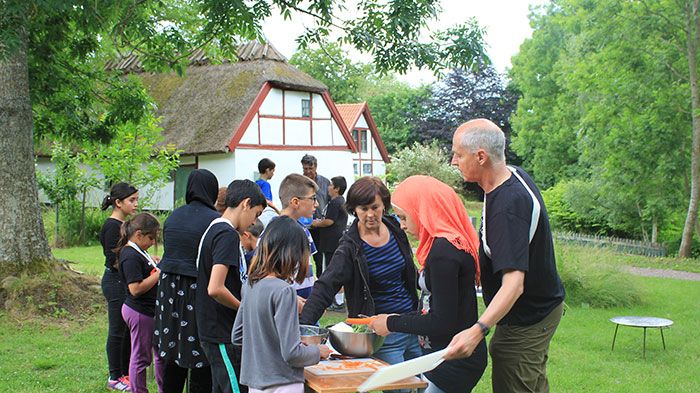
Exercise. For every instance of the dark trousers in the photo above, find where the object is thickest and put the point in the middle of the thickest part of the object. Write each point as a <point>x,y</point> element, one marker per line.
<point>519,355</point>
<point>175,377</point>
<point>318,262</point>
<point>118,339</point>
<point>223,359</point>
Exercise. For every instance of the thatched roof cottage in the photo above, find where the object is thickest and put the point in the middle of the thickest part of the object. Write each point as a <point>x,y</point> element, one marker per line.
<point>226,117</point>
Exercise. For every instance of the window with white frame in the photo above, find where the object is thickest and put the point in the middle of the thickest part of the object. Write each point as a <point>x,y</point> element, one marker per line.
<point>363,141</point>
<point>367,169</point>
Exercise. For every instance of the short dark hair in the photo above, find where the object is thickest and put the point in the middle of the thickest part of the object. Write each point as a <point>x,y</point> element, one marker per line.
<point>308,159</point>
<point>265,164</point>
<point>283,251</point>
<point>340,183</point>
<point>239,190</point>
<point>363,192</point>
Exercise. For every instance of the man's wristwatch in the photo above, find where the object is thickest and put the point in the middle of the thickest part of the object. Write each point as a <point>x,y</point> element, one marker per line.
<point>484,328</point>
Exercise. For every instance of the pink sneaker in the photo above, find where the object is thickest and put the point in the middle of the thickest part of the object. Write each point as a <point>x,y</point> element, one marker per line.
<point>118,385</point>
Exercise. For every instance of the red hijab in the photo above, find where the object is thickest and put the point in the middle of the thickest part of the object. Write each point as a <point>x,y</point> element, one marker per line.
<point>437,211</point>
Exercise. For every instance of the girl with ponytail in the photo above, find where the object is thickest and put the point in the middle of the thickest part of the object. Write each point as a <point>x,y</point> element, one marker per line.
<point>139,271</point>
<point>123,198</point>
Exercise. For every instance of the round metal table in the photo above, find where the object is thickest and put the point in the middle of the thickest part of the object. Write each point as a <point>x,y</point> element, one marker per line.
<point>644,323</point>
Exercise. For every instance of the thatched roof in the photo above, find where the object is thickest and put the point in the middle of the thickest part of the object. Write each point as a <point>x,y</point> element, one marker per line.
<point>202,111</point>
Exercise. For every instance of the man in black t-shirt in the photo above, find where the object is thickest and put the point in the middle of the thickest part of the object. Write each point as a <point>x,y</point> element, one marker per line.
<point>522,289</point>
<point>219,281</point>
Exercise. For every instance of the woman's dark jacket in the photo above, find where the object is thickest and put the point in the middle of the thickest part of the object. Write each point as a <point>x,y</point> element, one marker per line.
<point>349,269</point>
<point>185,226</point>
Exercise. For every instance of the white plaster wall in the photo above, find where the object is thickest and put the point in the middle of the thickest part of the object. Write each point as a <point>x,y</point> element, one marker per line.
<point>320,108</point>
<point>379,168</point>
<point>292,102</point>
<point>375,151</point>
<point>361,122</point>
<point>251,134</point>
<point>161,199</point>
<point>270,131</point>
<point>297,132</point>
<point>323,133</point>
<point>330,164</point>
<point>272,105</point>
<point>158,199</point>
<point>221,165</point>
<point>338,139</point>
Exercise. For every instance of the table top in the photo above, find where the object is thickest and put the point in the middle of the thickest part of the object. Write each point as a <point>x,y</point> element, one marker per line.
<point>350,383</point>
<point>649,322</point>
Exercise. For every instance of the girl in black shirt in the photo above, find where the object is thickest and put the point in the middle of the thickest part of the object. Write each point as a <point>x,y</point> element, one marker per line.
<point>140,273</point>
<point>123,198</point>
<point>432,212</point>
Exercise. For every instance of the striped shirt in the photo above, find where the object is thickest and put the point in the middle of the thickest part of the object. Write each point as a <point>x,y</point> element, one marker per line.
<point>386,265</point>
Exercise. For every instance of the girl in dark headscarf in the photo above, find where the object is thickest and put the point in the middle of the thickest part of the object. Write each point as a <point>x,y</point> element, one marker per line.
<point>124,200</point>
<point>176,335</point>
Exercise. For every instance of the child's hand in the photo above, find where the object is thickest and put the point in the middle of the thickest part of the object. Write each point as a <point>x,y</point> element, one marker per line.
<point>155,258</point>
<point>325,351</point>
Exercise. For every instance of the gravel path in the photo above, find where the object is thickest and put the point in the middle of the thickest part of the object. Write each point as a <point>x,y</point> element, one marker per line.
<point>649,272</point>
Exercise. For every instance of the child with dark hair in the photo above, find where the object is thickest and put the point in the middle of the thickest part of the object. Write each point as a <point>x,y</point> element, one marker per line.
<point>249,239</point>
<point>266,169</point>
<point>332,225</point>
<point>221,269</point>
<point>140,274</point>
<point>330,229</point>
<point>123,199</point>
<point>267,324</point>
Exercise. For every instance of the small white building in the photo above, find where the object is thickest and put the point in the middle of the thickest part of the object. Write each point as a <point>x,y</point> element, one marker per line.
<point>371,157</point>
<point>227,117</point>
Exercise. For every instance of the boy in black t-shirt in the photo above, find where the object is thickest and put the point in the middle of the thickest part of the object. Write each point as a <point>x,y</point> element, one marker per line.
<point>219,264</point>
<point>333,223</point>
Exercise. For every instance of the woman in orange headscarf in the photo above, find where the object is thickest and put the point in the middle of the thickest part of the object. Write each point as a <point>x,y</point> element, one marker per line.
<point>448,252</point>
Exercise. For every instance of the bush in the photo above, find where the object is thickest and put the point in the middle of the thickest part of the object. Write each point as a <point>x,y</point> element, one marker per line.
<point>592,283</point>
<point>572,206</point>
<point>430,160</point>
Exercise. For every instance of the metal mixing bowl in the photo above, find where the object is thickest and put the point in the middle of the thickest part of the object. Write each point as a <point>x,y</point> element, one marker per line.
<point>313,335</point>
<point>355,344</point>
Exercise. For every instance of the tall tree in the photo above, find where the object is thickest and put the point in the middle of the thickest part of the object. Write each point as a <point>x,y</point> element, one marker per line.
<point>603,101</point>
<point>464,95</point>
<point>395,107</point>
<point>59,43</point>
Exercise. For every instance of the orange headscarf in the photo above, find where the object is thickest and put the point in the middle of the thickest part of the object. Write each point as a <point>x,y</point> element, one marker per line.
<point>437,211</point>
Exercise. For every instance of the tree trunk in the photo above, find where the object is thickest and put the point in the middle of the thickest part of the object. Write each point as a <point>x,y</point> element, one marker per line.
<point>654,230</point>
<point>23,243</point>
<point>693,41</point>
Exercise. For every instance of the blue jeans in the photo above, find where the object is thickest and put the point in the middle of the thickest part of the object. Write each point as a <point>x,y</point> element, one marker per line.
<point>399,347</point>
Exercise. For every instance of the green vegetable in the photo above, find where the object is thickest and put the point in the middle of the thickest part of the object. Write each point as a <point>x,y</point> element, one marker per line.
<point>361,329</point>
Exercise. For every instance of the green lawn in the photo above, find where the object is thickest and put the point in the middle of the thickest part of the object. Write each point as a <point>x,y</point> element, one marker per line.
<point>41,357</point>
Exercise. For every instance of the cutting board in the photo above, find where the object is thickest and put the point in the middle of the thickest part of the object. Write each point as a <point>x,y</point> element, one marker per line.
<point>346,367</point>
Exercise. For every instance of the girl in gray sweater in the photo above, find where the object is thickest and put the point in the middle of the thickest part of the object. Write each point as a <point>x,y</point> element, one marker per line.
<point>267,323</point>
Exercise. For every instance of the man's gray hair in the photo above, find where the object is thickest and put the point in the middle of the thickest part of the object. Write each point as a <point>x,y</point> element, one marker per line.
<point>491,140</point>
<point>308,159</point>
